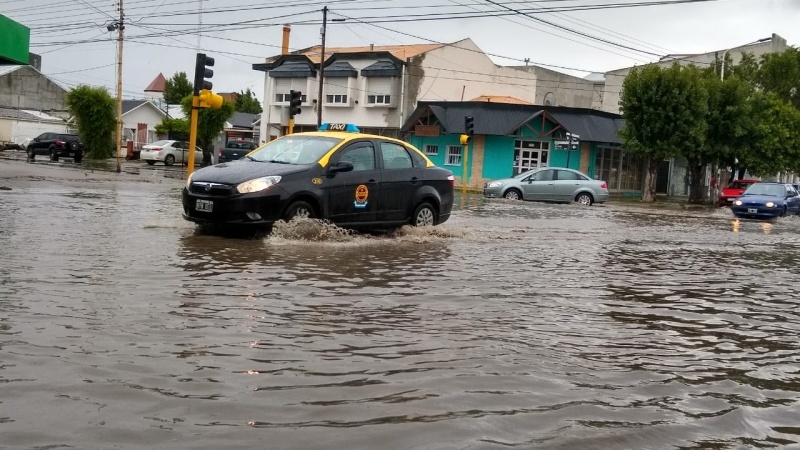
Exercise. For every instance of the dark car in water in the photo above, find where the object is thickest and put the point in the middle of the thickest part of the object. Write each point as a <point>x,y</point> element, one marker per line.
<point>355,180</point>
<point>56,145</point>
<point>767,200</point>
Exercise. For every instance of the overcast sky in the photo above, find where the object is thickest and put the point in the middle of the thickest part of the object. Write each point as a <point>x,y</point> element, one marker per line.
<point>239,33</point>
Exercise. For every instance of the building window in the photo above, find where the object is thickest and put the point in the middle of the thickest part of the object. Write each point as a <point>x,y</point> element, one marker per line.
<point>453,155</point>
<point>284,98</point>
<point>379,99</point>
<point>431,149</point>
<point>336,98</point>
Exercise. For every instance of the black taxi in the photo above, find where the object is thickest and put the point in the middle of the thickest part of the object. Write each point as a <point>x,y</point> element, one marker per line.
<point>352,179</point>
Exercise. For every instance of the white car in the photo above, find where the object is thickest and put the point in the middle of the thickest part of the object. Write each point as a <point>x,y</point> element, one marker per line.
<point>169,152</point>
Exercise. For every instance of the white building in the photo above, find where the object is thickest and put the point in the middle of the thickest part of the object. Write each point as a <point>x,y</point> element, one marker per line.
<point>377,87</point>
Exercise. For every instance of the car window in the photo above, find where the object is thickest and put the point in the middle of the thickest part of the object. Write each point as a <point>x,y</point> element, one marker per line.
<point>295,149</point>
<point>739,185</point>
<point>66,137</point>
<point>567,175</point>
<point>542,175</point>
<point>395,156</point>
<point>773,190</point>
<point>361,155</point>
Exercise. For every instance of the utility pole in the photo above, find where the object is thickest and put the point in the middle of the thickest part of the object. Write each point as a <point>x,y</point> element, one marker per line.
<point>120,28</point>
<point>322,66</point>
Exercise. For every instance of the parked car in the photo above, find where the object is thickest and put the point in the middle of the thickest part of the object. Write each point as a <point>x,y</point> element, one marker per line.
<point>733,191</point>
<point>549,184</point>
<point>767,200</point>
<point>236,149</point>
<point>56,145</point>
<point>352,179</point>
<point>169,152</point>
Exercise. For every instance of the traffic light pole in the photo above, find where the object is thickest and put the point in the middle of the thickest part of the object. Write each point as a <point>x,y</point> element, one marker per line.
<point>291,126</point>
<point>192,134</point>
<point>464,171</point>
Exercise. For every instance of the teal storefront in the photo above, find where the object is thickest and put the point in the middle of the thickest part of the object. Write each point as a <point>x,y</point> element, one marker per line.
<point>509,139</point>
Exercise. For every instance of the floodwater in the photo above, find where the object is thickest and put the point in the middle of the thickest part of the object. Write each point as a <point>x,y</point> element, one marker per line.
<point>513,325</point>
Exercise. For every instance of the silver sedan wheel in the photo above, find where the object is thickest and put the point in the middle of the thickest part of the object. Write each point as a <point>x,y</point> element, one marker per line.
<point>424,217</point>
<point>584,199</point>
<point>512,195</point>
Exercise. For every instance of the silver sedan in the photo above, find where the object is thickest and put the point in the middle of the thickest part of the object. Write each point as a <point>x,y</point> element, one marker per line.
<point>549,185</point>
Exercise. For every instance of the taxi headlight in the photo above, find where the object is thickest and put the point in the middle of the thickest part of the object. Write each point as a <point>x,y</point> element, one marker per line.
<point>494,184</point>
<point>770,204</point>
<point>257,185</point>
<point>738,203</point>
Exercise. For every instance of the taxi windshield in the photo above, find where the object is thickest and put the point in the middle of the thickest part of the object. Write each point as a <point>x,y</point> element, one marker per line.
<point>295,149</point>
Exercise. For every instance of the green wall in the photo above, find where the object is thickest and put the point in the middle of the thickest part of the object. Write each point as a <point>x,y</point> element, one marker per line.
<point>442,141</point>
<point>14,42</point>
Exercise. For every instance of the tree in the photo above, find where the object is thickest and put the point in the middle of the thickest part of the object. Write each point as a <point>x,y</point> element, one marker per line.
<point>727,119</point>
<point>664,111</point>
<point>96,119</point>
<point>176,88</point>
<point>210,122</point>
<point>774,136</point>
<point>780,74</point>
<point>177,129</point>
<point>247,102</point>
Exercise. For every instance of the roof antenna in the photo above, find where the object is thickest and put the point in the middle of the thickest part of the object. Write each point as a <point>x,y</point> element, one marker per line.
<point>527,60</point>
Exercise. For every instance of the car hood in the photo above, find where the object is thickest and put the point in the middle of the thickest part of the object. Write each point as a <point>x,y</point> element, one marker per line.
<point>732,192</point>
<point>242,170</point>
<point>761,199</point>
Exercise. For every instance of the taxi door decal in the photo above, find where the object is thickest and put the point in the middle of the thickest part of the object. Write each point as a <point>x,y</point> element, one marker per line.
<point>362,193</point>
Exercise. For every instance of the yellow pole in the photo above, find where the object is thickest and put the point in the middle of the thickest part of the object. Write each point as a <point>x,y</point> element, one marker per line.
<point>291,126</point>
<point>464,172</point>
<point>192,134</point>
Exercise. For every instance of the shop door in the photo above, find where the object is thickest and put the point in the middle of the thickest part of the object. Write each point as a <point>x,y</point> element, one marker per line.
<point>529,155</point>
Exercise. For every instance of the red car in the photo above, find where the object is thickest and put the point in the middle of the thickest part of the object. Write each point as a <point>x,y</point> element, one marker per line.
<point>733,191</point>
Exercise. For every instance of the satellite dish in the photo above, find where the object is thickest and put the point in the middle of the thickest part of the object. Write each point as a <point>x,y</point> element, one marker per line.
<point>550,99</point>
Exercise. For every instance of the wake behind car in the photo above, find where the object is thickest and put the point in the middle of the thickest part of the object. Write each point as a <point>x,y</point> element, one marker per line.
<point>56,145</point>
<point>767,200</point>
<point>548,184</point>
<point>355,180</point>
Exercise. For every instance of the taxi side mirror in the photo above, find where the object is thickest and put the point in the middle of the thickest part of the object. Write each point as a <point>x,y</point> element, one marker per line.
<point>341,166</point>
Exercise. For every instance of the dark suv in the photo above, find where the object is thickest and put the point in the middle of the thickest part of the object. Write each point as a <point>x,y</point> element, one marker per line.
<point>55,145</point>
<point>235,149</point>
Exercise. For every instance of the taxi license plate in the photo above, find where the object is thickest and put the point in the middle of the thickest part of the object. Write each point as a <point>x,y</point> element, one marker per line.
<point>204,205</point>
<point>752,210</point>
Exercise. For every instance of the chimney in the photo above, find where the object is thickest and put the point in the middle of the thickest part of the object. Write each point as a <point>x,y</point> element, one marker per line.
<point>371,47</point>
<point>285,44</point>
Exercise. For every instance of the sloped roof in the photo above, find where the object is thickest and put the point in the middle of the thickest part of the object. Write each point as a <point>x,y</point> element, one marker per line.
<point>157,85</point>
<point>29,115</point>
<point>340,69</point>
<point>243,120</point>
<point>500,99</point>
<point>130,105</point>
<point>398,51</point>
<point>503,119</point>
<point>8,69</point>
<point>381,68</point>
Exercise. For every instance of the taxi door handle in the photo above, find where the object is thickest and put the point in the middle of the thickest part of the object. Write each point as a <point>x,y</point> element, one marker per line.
<point>372,182</point>
<point>414,180</point>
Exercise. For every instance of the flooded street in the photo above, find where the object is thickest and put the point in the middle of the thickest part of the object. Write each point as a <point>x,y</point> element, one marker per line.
<point>512,325</point>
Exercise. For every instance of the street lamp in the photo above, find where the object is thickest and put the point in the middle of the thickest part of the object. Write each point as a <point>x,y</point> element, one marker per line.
<point>725,54</point>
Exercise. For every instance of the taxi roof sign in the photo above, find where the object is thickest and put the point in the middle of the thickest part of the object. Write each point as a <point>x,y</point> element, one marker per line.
<point>347,127</point>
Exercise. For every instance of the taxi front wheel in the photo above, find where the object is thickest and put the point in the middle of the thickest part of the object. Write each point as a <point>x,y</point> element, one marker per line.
<point>424,216</point>
<point>299,209</point>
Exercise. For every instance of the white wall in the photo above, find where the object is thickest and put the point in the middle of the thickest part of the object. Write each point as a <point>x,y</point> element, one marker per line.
<point>462,71</point>
<point>615,78</point>
<point>142,114</point>
<point>13,130</point>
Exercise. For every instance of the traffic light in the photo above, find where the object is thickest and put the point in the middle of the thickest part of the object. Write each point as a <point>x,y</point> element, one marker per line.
<point>469,125</point>
<point>464,139</point>
<point>201,72</point>
<point>209,99</point>
<point>295,99</point>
